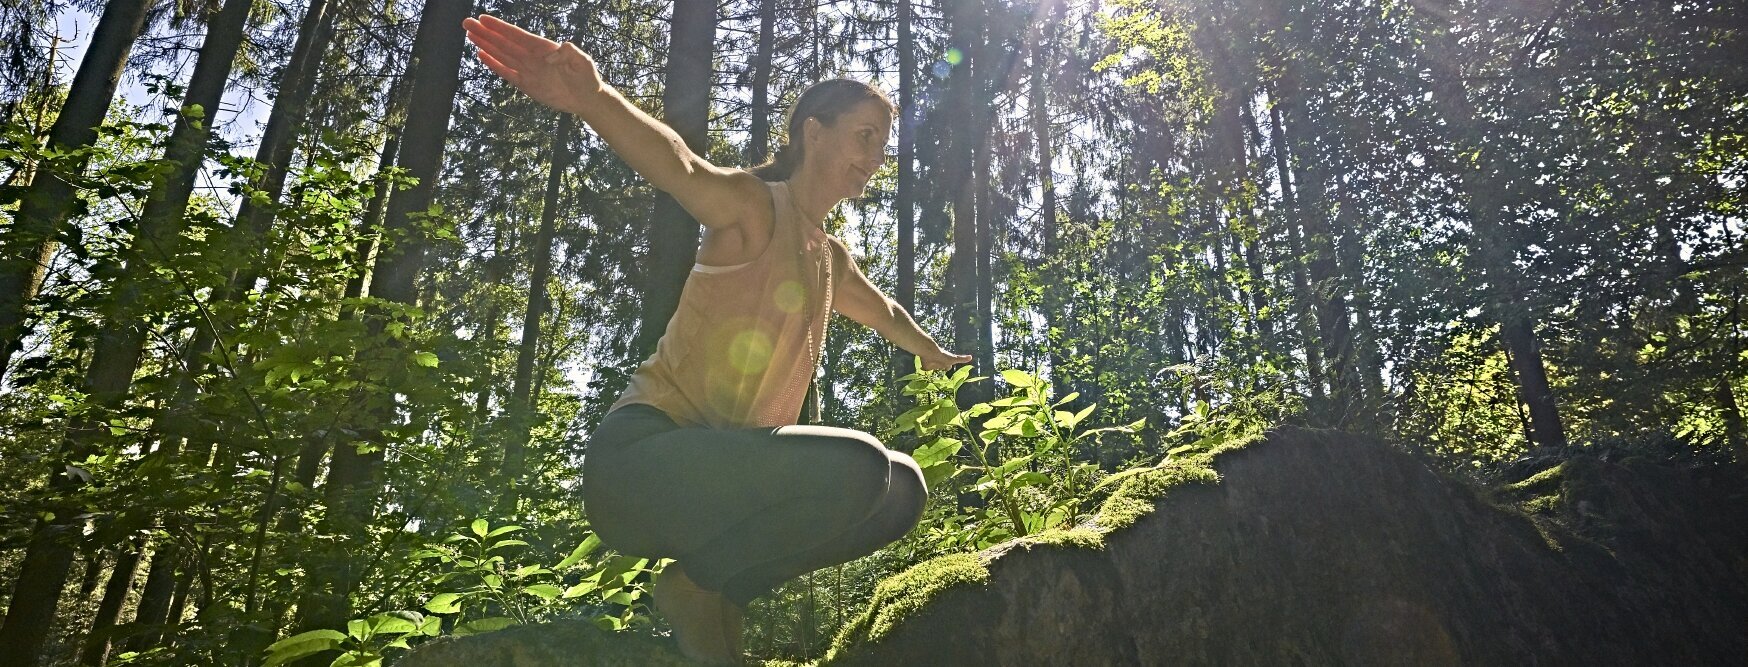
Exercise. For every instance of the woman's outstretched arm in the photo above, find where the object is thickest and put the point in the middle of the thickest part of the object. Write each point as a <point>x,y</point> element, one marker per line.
<point>561,76</point>
<point>859,300</point>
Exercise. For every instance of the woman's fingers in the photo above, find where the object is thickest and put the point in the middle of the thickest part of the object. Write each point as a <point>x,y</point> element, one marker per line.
<point>529,42</point>
<point>503,49</point>
<point>509,74</point>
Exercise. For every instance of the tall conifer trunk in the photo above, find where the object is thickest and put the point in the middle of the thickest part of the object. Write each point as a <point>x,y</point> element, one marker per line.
<point>279,138</point>
<point>904,204</point>
<point>759,135</point>
<point>29,242</point>
<point>523,399</point>
<point>673,234</point>
<point>963,19</point>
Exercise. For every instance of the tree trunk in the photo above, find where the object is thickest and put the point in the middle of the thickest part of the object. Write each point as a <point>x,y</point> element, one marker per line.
<point>522,399</point>
<point>1302,297</point>
<point>29,242</point>
<point>1055,283</point>
<point>121,580</point>
<point>1311,213</point>
<point>352,486</point>
<point>963,18</point>
<point>759,136</point>
<point>673,234</point>
<point>1494,250</point>
<point>290,102</point>
<point>904,204</point>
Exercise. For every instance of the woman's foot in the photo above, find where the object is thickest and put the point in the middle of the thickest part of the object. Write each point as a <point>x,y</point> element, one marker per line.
<point>696,616</point>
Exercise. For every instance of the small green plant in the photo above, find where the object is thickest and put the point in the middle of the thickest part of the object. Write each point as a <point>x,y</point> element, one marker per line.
<point>1022,456</point>
<point>485,592</point>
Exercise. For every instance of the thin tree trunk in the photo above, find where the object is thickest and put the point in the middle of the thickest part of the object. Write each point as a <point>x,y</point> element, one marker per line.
<point>1312,213</point>
<point>279,137</point>
<point>29,242</point>
<point>522,399</point>
<point>759,135</point>
<point>904,203</point>
<point>1302,297</point>
<point>963,19</point>
<point>1055,284</point>
<point>115,592</point>
<point>673,234</point>
<point>1493,253</point>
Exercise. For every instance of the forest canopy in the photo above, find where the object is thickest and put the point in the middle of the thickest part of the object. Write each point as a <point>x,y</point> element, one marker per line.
<point>305,314</point>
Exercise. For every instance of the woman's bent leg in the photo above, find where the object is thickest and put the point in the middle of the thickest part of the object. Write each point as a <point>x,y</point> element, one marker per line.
<point>723,500</point>
<point>899,511</point>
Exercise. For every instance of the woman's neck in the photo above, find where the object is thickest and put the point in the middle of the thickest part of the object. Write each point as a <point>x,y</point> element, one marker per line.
<point>810,196</point>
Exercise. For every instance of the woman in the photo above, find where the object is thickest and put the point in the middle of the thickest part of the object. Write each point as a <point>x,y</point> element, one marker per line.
<point>701,460</point>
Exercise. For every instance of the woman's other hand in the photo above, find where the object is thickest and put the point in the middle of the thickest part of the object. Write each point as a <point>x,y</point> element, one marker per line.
<point>941,360</point>
<point>557,75</point>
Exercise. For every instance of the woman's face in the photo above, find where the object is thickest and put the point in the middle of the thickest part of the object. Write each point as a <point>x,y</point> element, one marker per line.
<point>847,152</point>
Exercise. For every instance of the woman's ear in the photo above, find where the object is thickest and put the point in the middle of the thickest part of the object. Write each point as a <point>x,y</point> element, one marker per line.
<point>810,130</point>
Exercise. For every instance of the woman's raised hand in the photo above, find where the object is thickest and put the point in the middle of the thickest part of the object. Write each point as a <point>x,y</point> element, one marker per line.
<point>557,75</point>
<point>941,360</point>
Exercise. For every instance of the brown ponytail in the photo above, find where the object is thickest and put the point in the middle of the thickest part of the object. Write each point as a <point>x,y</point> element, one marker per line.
<point>825,100</point>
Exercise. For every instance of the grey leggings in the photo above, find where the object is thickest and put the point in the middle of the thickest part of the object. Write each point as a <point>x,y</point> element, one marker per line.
<point>744,510</point>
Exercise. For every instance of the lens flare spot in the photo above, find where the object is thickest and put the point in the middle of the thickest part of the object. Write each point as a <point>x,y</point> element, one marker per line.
<point>789,296</point>
<point>955,56</point>
<point>750,352</point>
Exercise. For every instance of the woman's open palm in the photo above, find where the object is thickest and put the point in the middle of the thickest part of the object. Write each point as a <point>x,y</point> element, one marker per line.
<point>557,75</point>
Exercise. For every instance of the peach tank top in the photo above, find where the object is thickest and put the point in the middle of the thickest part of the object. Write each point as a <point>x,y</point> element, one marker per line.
<point>741,348</point>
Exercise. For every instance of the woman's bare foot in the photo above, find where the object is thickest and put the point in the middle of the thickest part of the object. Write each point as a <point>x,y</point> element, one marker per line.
<point>696,616</point>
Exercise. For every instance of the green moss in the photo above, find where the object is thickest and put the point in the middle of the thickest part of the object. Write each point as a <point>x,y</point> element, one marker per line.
<point>902,595</point>
<point>905,593</point>
<point>1542,505</point>
<point>1079,537</point>
<point>1135,497</point>
<point>1541,482</point>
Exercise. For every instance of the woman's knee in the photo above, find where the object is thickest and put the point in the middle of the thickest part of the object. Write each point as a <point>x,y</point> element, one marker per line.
<point>908,489</point>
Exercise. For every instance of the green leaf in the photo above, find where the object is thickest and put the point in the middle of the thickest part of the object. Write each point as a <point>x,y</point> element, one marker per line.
<point>507,543</point>
<point>622,597</point>
<point>359,629</point>
<point>357,659</point>
<point>543,591</point>
<point>426,359</point>
<point>587,586</point>
<point>444,603</point>
<point>1018,378</point>
<point>501,530</point>
<point>483,625</point>
<point>479,527</point>
<point>935,452</point>
<point>395,622</point>
<point>302,644</point>
<point>582,551</point>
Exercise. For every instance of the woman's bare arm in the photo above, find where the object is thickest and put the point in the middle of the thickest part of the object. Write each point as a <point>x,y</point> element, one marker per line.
<point>859,300</point>
<point>561,76</point>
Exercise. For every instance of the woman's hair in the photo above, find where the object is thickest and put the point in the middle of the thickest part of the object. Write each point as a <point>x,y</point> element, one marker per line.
<point>825,100</point>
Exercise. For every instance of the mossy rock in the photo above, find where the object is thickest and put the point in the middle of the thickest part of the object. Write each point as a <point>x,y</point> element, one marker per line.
<point>1314,547</point>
